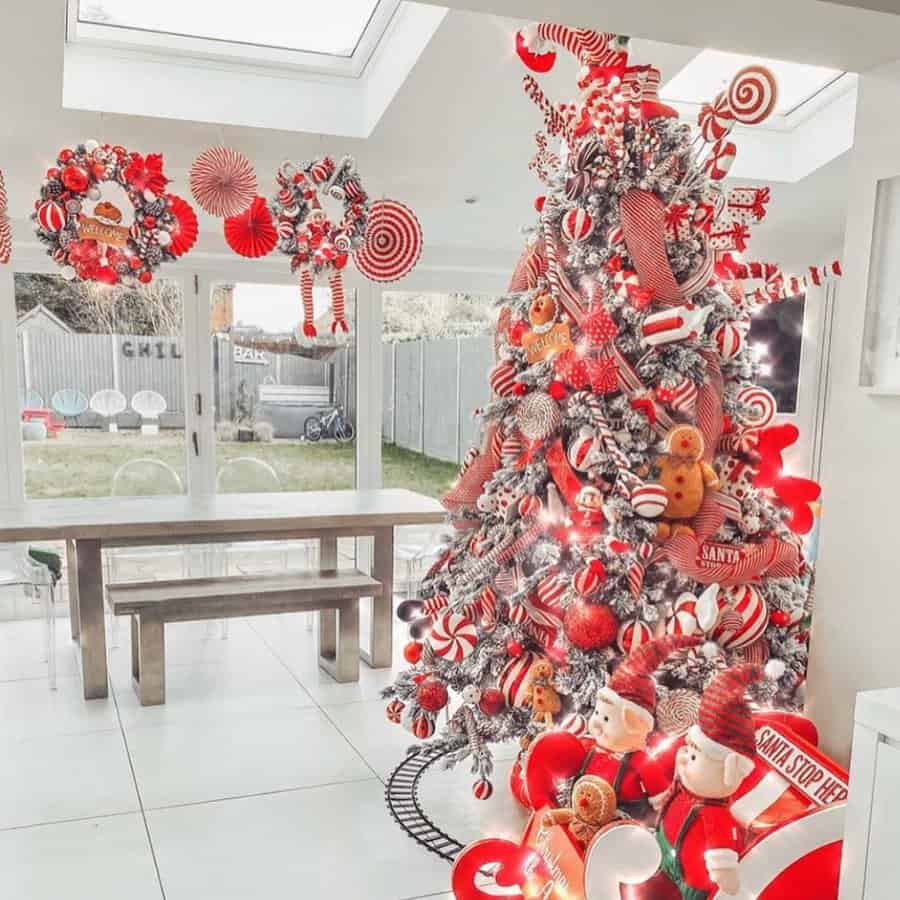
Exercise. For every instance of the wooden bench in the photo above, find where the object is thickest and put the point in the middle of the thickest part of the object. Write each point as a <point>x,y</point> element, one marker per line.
<point>295,394</point>
<point>151,604</point>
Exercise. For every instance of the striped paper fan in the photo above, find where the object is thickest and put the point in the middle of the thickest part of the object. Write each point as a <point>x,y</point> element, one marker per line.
<point>393,242</point>
<point>5,231</point>
<point>223,182</point>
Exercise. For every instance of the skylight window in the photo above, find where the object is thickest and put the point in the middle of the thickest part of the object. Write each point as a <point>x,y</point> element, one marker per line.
<point>711,70</point>
<point>306,27</point>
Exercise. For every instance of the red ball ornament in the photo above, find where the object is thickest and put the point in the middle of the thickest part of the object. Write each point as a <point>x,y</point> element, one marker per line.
<point>780,618</point>
<point>149,221</point>
<point>135,262</point>
<point>412,652</point>
<point>52,173</point>
<point>75,179</point>
<point>519,389</point>
<point>590,626</point>
<point>145,277</point>
<point>539,203</point>
<point>492,701</point>
<point>482,789</point>
<point>558,391</point>
<point>432,695</point>
<point>517,331</point>
<point>514,649</point>
<point>65,155</point>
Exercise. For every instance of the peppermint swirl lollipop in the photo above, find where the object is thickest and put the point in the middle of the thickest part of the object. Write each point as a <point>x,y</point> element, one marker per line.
<point>715,119</point>
<point>752,95</point>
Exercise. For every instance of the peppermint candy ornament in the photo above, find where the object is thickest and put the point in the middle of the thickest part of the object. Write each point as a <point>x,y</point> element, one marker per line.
<point>632,635</point>
<point>716,119</point>
<point>482,789</point>
<point>394,711</point>
<point>515,677</point>
<point>763,407</point>
<point>729,339</point>
<point>503,379</point>
<point>51,216</point>
<point>751,620</point>
<point>678,711</point>
<point>649,500</point>
<point>393,242</point>
<point>453,637</point>
<point>589,579</point>
<point>577,225</point>
<point>752,95</point>
<point>538,416</point>
<point>720,160</point>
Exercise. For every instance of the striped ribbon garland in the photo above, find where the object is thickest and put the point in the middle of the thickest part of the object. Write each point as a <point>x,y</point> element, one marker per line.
<point>306,295</point>
<point>339,319</point>
<point>559,283</point>
<point>504,552</point>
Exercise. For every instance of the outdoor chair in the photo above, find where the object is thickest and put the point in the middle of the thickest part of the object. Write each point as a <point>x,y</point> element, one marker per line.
<point>38,572</point>
<point>149,405</point>
<point>142,477</point>
<point>423,547</point>
<point>109,403</point>
<point>31,399</point>
<point>69,403</point>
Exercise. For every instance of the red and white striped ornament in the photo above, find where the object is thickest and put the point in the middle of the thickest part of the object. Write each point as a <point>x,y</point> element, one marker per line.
<point>615,236</point>
<point>223,182</point>
<point>423,726</point>
<point>432,606</point>
<point>715,119</point>
<point>321,170</point>
<point>577,225</point>
<point>551,589</point>
<point>632,635</point>
<point>511,448</point>
<point>469,458</point>
<point>649,499</point>
<point>729,338</point>
<point>393,242</point>
<point>574,723</point>
<point>529,506</point>
<point>394,711</point>
<point>482,789</point>
<point>750,605</point>
<point>590,578</point>
<point>514,679</point>
<point>683,621</point>
<point>680,397</point>
<point>752,94</point>
<point>503,379</point>
<point>51,216</point>
<point>487,600</point>
<point>720,160</point>
<point>583,449</point>
<point>453,637</point>
<point>625,281</point>
<point>763,405</point>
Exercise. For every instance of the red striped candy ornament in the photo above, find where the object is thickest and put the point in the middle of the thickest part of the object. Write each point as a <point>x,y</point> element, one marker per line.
<point>482,789</point>
<point>574,723</point>
<point>752,94</point>
<point>625,281</point>
<point>582,449</point>
<point>684,397</point>
<point>750,605</point>
<point>393,242</point>
<point>720,160</point>
<point>488,602</point>
<point>51,216</point>
<point>511,449</point>
<point>503,379</point>
<point>395,711</point>
<point>496,444</point>
<point>715,119</point>
<point>453,637</point>
<point>762,404</point>
<point>729,339</point>
<point>649,500</point>
<point>321,170</point>
<point>589,579</point>
<point>514,678</point>
<point>223,182</point>
<point>632,635</point>
<point>683,621</point>
<point>577,225</point>
<point>469,458</point>
<point>433,605</point>
<point>550,590</point>
<point>423,726</point>
<point>518,614</point>
<point>353,191</point>
<point>615,236</point>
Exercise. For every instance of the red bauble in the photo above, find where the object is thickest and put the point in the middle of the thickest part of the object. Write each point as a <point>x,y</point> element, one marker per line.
<point>492,701</point>
<point>135,262</point>
<point>412,652</point>
<point>65,155</point>
<point>590,626</point>
<point>52,173</point>
<point>539,203</point>
<point>149,222</point>
<point>558,391</point>
<point>514,649</point>
<point>519,389</point>
<point>780,618</point>
<point>145,277</point>
<point>432,695</point>
<point>517,331</point>
<point>75,179</point>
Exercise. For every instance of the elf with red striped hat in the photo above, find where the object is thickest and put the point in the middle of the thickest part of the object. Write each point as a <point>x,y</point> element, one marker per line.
<point>622,721</point>
<point>699,838</point>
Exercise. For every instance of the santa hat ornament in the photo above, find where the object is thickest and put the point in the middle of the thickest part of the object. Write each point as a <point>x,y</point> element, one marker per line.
<point>725,729</point>
<point>632,685</point>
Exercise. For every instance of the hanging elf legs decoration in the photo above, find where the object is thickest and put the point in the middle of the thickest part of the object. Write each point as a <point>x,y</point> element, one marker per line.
<point>306,294</point>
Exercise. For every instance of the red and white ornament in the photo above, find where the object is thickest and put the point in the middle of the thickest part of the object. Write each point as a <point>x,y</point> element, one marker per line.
<point>590,626</point>
<point>677,323</point>
<point>590,578</point>
<point>716,119</point>
<point>453,637</point>
<point>538,415</point>
<point>649,499</point>
<point>720,160</point>
<point>632,635</point>
<point>482,789</point>
<point>393,242</point>
<point>577,225</point>
<point>752,612</point>
<point>223,182</point>
<point>729,338</point>
<point>683,621</point>
<point>762,404</point>
<point>515,677</point>
<point>423,726</point>
<point>511,448</point>
<point>51,216</point>
<point>752,95</point>
<point>503,378</point>
<point>583,449</point>
<point>395,711</point>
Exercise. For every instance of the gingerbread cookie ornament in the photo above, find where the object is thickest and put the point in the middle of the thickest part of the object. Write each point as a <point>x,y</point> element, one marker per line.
<point>547,336</point>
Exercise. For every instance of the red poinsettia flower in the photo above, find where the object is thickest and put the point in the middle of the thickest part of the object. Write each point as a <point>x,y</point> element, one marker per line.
<point>146,173</point>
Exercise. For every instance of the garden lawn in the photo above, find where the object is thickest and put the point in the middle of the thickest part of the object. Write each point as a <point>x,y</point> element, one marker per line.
<point>83,464</point>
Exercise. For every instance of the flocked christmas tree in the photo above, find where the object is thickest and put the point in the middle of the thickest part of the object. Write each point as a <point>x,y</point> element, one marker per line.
<point>628,483</point>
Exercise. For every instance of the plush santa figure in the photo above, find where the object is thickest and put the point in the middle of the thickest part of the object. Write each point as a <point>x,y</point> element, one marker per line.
<point>699,838</point>
<point>619,728</point>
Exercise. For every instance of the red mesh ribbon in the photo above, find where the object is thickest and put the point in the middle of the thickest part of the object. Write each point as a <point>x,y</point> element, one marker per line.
<point>566,480</point>
<point>644,226</point>
<point>468,488</point>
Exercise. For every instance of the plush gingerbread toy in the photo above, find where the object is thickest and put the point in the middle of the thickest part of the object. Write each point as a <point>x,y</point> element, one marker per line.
<point>686,476</point>
<point>542,695</point>
<point>547,337</point>
<point>593,806</point>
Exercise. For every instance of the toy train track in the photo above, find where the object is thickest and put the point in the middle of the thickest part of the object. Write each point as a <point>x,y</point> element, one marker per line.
<point>402,797</point>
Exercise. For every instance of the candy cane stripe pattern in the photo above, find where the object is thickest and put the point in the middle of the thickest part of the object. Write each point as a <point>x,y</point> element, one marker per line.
<point>339,321</point>
<point>591,47</point>
<point>752,95</point>
<point>431,606</point>
<point>453,637</point>
<point>513,680</point>
<point>684,397</point>
<point>729,340</point>
<point>720,160</point>
<point>393,242</point>
<point>5,231</point>
<point>577,225</point>
<point>306,295</point>
<point>715,120</point>
<point>762,403</point>
<point>751,620</point>
<point>632,635</point>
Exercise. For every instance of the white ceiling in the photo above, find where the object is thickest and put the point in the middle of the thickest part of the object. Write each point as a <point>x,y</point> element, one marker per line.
<point>460,126</point>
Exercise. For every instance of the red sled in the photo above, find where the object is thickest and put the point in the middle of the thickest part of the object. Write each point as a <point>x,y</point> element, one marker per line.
<point>792,805</point>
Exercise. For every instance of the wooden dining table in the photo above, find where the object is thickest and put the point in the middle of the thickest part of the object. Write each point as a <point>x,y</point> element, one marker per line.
<point>90,526</point>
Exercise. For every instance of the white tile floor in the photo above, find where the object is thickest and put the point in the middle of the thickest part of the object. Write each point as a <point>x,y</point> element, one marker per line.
<point>260,777</point>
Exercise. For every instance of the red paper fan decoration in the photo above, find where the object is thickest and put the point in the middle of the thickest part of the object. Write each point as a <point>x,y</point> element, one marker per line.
<point>393,242</point>
<point>252,233</point>
<point>223,182</point>
<point>184,234</point>
<point>5,232</point>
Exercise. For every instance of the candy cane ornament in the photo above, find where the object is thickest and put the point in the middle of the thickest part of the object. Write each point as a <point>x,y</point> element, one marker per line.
<point>306,296</point>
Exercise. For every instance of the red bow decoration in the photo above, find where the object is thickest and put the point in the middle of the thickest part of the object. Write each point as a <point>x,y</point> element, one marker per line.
<point>678,222</point>
<point>733,236</point>
<point>146,173</point>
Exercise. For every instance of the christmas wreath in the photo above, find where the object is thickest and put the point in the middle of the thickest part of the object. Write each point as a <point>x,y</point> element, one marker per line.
<point>98,245</point>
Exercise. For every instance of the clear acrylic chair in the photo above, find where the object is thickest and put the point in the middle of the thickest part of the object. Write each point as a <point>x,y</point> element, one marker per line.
<point>142,477</point>
<point>422,547</point>
<point>19,568</point>
<point>249,475</point>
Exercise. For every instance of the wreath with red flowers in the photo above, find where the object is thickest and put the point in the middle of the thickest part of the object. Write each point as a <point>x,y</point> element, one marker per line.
<point>97,245</point>
<point>305,233</point>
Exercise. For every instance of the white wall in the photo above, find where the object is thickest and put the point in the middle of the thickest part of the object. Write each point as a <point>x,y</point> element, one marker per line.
<point>855,643</point>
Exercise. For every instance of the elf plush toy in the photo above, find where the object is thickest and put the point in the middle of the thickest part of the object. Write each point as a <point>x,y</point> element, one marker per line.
<point>699,838</point>
<point>619,729</point>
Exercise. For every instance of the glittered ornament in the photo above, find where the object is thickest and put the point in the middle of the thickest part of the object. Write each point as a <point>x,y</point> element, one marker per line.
<point>492,701</point>
<point>590,626</point>
<point>538,416</point>
<point>432,695</point>
<point>223,182</point>
<point>412,652</point>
